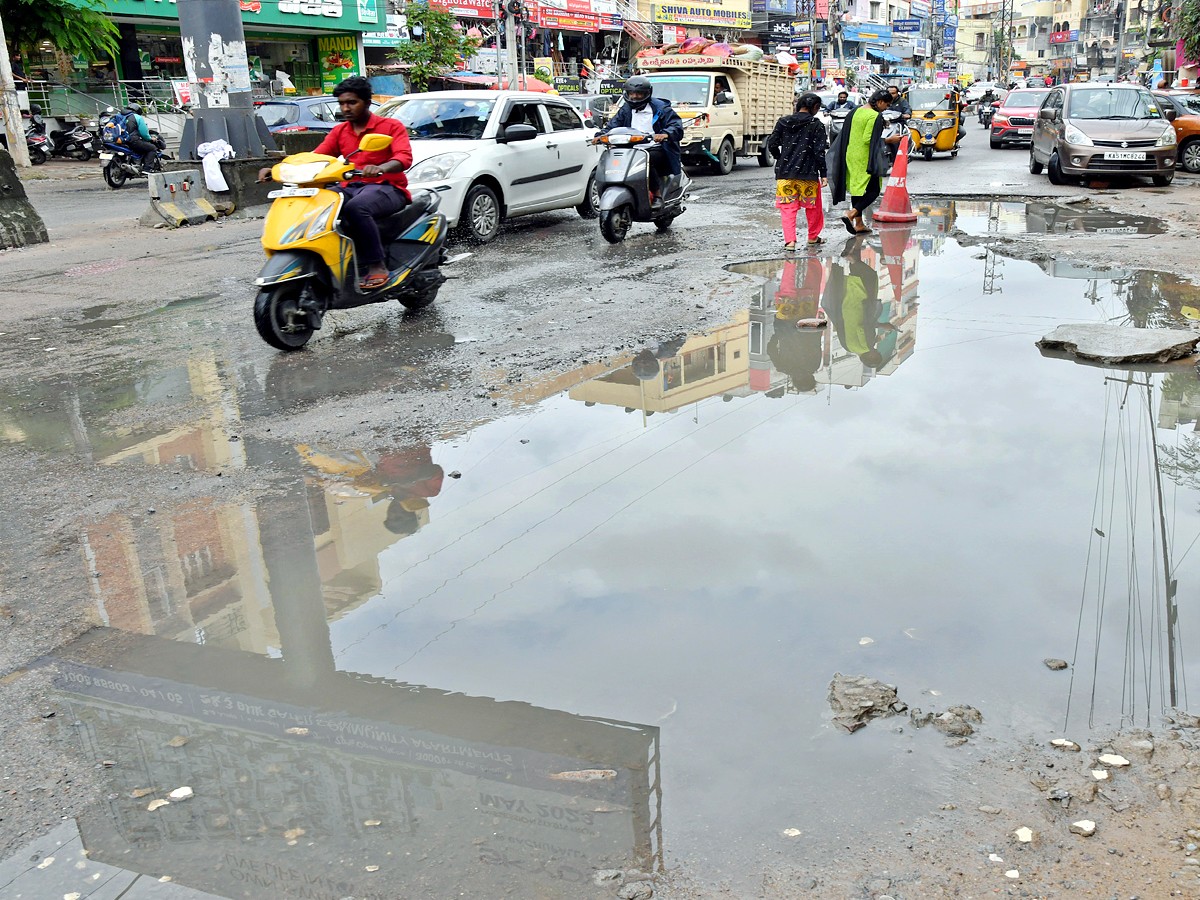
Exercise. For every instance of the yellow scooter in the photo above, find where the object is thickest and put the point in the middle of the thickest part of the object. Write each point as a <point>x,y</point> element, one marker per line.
<point>311,266</point>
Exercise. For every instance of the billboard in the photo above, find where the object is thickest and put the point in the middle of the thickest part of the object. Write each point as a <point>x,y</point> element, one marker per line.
<point>730,14</point>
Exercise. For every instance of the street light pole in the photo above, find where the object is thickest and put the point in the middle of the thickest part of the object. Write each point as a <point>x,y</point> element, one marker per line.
<point>12,111</point>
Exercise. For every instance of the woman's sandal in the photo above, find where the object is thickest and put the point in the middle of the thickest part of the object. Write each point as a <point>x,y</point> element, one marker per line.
<point>789,245</point>
<point>849,223</point>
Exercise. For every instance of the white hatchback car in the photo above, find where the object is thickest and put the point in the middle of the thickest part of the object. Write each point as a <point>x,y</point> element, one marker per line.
<point>494,155</point>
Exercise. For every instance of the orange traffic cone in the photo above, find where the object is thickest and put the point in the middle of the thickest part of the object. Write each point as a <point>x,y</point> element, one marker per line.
<point>896,206</point>
<point>894,240</point>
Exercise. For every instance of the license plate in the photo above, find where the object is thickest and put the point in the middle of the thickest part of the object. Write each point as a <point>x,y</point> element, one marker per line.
<point>1125,229</point>
<point>1124,154</point>
<point>293,192</point>
<point>1025,131</point>
<point>106,156</point>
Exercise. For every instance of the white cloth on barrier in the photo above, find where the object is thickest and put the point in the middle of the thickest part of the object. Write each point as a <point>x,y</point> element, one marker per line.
<point>211,153</point>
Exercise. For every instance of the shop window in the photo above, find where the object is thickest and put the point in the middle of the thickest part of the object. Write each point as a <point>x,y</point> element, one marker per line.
<point>979,41</point>
<point>563,118</point>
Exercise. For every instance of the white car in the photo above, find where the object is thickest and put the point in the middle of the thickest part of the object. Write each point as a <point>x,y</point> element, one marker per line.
<point>494,155</point>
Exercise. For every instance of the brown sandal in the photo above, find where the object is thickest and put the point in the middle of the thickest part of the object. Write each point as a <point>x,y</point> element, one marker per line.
<point>373,282</point>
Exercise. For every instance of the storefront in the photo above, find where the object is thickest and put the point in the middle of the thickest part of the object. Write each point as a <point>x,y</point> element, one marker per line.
<point>316,43</point>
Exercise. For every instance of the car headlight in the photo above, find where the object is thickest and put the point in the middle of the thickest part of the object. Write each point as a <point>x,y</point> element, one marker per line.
<point>436,167</point>
<point>1073,135</point>
<point>1166,139</point>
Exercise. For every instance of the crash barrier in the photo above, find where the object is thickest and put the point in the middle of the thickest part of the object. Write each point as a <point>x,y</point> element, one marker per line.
<point>175,197</point>
<point>20,224</point>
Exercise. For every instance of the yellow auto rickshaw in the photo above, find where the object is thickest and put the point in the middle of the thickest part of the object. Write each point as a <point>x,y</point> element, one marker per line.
<point>936,122</point>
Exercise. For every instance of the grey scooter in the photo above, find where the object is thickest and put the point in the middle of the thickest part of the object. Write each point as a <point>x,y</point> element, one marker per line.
<point>630,188</point>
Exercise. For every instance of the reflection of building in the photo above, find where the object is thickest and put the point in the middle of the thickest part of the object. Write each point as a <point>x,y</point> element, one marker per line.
<point>713,363</point>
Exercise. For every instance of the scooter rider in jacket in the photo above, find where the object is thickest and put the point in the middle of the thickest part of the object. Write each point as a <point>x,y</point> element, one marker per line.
<point>137,136</point>
<point>642,112</point>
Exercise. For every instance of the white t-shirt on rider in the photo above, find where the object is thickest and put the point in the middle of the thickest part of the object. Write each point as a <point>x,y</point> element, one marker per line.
<point>643,120</point>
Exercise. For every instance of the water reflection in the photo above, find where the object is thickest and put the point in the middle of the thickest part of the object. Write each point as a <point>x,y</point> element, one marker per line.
<point>1003,217</point>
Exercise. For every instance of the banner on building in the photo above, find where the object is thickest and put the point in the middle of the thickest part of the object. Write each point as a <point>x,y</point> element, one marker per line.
<point>338,57</point>
<point>395,33</point>
<point>906,26</point>
<point>732,15</point>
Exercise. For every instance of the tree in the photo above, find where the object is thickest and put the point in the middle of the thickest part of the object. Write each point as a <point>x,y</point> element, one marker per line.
<point>1188,28</point>
<point>438,44</point>
<point>74,30</point>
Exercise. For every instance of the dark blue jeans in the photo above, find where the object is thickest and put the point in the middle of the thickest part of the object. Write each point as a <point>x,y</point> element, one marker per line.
<point>364,205</point>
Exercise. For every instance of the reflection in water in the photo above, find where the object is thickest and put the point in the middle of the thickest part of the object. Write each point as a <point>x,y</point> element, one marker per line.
<point>977,217</point>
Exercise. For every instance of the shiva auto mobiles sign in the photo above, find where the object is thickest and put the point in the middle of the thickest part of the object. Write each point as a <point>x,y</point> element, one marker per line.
<point>731,14</point>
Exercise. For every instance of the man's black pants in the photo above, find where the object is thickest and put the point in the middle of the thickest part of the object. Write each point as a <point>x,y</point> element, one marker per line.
<point>365,204</point>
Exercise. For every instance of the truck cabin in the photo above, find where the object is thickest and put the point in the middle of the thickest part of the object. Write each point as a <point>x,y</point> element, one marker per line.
<point>694,90</point>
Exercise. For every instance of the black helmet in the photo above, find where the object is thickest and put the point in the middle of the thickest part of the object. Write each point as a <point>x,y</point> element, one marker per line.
<point>35,109</point>
<point>134,108</point>
<point>640,85</point>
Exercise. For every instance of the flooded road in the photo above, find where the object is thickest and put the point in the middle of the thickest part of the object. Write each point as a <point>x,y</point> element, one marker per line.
<point>599,632</point>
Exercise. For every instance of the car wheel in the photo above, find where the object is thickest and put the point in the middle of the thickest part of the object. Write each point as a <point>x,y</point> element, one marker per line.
<point>479,221</point>
<point>995,144</point>
<point>1035,167</point>
<point>726,158</point>
<point>1189,155</point>
<point>1163,180</point>
<point>590,206</point>
<point>1054,169</point>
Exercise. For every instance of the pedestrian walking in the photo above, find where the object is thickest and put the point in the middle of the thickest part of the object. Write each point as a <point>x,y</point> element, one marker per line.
<point>799,144</point>
<point>859,160</point>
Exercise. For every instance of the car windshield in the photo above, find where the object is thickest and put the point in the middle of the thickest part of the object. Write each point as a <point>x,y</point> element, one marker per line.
<point>927,99</point>
<point>1190,104</point>
<point>278,113</point>
<point>1111,103</point>
<point>1024,98</point>
<point>682,90</point>
<point>432,118</point>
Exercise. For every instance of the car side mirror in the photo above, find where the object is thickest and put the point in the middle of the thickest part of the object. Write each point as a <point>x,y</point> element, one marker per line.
<point>723,98</point>
<point>1047,114</point>
<point>589,122</point>
<point>1170,114</point>
<point>513,133</point>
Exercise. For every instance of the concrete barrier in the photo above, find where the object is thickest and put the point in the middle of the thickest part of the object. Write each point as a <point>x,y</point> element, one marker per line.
<point>175,197</point>
<point>20,224</point>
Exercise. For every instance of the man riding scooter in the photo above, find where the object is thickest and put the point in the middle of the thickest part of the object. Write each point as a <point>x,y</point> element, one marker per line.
<point>381,189</point>
<point>643,113</point>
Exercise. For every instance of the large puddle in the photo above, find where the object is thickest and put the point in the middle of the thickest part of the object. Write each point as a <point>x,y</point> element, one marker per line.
<point>609,641</point>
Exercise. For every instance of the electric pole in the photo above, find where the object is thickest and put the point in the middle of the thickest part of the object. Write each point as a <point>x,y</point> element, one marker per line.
<point>12,111</point>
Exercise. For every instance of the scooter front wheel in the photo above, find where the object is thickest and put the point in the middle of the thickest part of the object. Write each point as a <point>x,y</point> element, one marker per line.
<point>614,223</point>
<point>114,175</point>
<point>37,155</point>
<point>278,319</point>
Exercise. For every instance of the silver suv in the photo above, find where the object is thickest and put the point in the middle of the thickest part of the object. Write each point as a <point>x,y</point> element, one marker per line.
<point>1102,129</point>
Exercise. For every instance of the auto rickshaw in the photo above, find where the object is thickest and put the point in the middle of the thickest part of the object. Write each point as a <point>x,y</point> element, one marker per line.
<point>936,123</point>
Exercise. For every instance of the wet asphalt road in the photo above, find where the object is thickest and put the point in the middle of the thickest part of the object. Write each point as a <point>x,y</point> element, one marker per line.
<point>552,577</point>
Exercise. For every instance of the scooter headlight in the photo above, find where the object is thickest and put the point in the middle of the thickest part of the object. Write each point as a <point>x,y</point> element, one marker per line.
<point>436,167</point>
<point>300,173</point>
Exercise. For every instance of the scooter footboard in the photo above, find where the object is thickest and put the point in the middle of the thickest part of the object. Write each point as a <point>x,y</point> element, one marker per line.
<point>286,265</point>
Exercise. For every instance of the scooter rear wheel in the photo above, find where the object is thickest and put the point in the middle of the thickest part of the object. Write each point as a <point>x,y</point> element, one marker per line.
<point>272,309</point>
<point>614,223</point>
<point>37,155</point>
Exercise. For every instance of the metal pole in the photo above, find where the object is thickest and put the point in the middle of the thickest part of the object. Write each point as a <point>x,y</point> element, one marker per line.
<point>12,111</point>
<point>214,55</point>
<point>510,49</point>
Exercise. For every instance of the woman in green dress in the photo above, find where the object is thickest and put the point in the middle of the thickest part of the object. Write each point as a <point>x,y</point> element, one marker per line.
<point>859,161</point>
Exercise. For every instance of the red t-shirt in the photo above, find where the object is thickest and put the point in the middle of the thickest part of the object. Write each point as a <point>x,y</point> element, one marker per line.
<point>343,141</point>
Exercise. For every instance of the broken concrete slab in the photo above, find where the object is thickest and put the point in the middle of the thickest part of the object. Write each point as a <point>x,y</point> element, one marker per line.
<point>1117,345</point>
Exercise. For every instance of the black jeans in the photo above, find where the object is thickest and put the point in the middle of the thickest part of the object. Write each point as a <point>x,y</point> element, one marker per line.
<point>144,148</point>
<point>365,203</point>
<point>869,196</point>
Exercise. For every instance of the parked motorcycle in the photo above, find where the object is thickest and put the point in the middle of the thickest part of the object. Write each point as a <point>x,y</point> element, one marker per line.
<point>311,267</point>
<point>630,189</point>
<point>122,163</point>
<point>73,143</point>
<point>37,144</point>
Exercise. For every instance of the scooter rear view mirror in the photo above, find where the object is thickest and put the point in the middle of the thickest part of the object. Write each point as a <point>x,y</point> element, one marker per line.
<point>373,143</point>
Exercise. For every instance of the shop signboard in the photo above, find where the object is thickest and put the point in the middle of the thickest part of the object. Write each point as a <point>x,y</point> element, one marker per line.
<point>922,47</point>
<point>327,15</point>
<point>611,22</point>
<point>338,57</point>
<point>469,9</point>
<point>783,7</point>
<point>568,84</point>
<point>919,8</point>
<point>611,87</point>
<point>368,12</point>
<point>1060,37</point>
<point>559,21</point>
<point>396,33</point>
<point>949,36</point>
<point>728,14</point>
<point>906,26</point>
<point>872,34</point>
